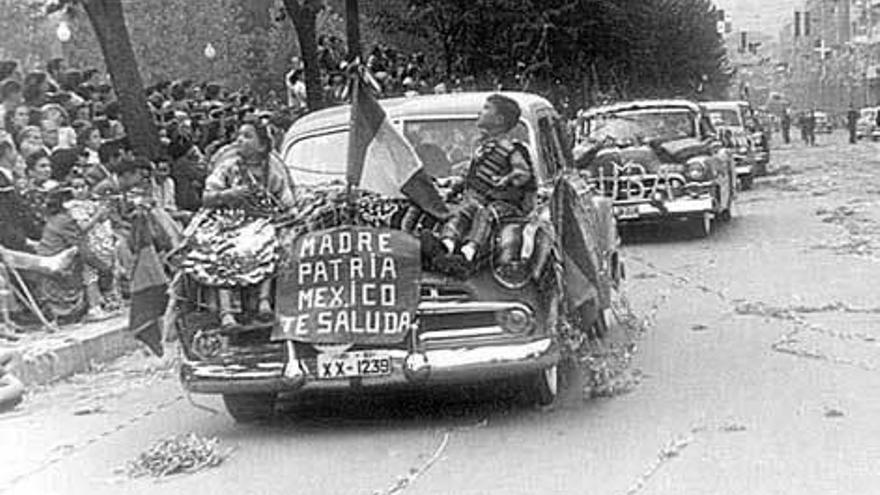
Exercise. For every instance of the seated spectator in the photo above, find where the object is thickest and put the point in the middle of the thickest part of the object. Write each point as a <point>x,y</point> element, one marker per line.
<point>39,171</point>
<point>10,98</point>
<point>89,142</point>
<point>17,120</point>
<point>93,220</point>
<point>64,295</point>
<point>30,141</point>
<point>19,226</point>
<point>35,89</point>
<point>57,134</point>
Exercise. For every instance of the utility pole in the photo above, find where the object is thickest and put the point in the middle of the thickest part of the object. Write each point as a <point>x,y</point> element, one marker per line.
<point>352,29</point>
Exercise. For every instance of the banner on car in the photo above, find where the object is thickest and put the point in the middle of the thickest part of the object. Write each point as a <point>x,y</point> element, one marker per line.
<point>349,285</point>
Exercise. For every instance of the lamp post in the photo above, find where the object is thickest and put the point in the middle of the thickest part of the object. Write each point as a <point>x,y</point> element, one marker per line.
<point>63,32</point>
<point>210,54</point>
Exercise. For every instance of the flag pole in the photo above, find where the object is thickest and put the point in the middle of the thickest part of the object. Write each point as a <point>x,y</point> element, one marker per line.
<point>354,83</point>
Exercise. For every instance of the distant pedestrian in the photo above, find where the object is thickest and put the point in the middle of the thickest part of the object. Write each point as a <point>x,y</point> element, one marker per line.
<point>786,126</point>
<point>810,127</point>
<point>852,118</point>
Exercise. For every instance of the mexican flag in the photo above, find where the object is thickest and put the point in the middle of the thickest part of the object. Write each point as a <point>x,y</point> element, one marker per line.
<point>381,160</point>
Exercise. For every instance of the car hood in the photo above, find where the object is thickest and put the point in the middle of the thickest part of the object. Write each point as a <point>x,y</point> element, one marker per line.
<point>646,158</point>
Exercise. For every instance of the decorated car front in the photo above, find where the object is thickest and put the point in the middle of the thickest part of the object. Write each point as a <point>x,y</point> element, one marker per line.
<point>367,294</point>
<point>649,161</point>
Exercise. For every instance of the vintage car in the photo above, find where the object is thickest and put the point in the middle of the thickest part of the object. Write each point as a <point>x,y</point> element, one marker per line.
<point>760,127</point>
<point>730,118</point>
<point>824,125</point>
<point>546,282</point>
<point>658,160</point>
<point>866,126</point>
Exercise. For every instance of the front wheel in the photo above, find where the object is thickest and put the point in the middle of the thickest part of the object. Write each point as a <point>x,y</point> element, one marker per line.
<point>746,182</point>
<point>702,226</point>
<point>250,408</point>
<point>543,386</point>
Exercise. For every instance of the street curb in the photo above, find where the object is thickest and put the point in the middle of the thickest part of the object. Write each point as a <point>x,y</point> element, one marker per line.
<point>50,360</point>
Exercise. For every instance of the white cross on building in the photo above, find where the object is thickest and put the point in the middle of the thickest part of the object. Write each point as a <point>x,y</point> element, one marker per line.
<point>822,50</point>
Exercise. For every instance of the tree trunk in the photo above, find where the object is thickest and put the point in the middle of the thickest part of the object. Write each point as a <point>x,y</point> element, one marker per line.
<point>352,29</point>
<point>108,21</point>
<point>304,18</point>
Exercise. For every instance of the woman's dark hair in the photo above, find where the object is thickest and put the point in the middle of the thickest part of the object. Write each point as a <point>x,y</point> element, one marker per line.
<point>83,130</point>
<point>56,199</point>
<point>33,158</point>
<point>263,134</point>
<point>111,110</point>
<point>32,90</point>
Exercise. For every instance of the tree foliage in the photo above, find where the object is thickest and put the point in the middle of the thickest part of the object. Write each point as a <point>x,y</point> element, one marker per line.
<point>631,48</point>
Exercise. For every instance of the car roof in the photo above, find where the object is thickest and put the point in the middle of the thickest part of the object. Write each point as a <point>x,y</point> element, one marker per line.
<point>451,104</point>
<point>639,105</point>
<point>725,105</point>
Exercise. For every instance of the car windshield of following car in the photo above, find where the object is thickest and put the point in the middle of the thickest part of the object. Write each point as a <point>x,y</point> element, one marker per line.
<point>640,126</point>
<point>440,143</point>
<point>725,118</point>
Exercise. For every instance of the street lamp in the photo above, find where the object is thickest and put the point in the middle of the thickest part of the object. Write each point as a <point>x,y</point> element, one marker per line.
<point>210,51</point>
<point>63,32</point>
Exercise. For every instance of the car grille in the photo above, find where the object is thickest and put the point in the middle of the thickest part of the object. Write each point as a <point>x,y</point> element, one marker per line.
<point>639,187</point>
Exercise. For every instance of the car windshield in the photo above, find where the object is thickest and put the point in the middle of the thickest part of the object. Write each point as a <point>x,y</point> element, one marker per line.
<point>440,143</point>
<point>642,125</point>
<point>444,143</point>
<point>724,118</point>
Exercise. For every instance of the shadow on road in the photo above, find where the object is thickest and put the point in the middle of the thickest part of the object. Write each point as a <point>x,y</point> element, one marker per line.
<point>437,407</point>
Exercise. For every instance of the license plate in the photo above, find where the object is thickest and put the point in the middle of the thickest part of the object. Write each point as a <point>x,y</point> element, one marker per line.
<point>627,212</point>
<point>353,365</point>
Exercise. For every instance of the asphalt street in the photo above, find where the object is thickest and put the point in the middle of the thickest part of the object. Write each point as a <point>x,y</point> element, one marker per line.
<point>755,370</point>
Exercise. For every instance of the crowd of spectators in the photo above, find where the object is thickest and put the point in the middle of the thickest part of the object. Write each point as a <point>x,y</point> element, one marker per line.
<point>69,178</point>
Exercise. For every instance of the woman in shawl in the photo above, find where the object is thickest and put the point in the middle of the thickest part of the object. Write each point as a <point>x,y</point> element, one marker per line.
<point>234,245</point>
<point>64,294</point>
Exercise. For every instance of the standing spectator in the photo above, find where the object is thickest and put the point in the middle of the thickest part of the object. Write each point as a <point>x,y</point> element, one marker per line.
<point>10,98</point>
<point>811,127</point>
<point>115,130</point>
<point>17,120</point>
<point>297,98</point>
<point>35,89</point>
<point>786,126</point>
<point>852,119</point>
<point>30,141</point>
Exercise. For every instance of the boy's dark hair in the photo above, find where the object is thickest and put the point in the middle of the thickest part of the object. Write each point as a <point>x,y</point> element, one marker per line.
<point>9,88</point>
<point>34,157</point>
<point>125,166</point>
<point>5,147</point>
<point>54,65</point>
<point>508,108</point>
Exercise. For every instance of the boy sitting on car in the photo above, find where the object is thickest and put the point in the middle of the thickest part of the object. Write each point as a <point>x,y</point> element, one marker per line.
<point>499,183</point>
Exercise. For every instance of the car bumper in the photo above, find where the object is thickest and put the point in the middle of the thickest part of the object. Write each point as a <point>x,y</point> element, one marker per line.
<point>422,369</point>
<point>762,156</point>
<point>677,208</point>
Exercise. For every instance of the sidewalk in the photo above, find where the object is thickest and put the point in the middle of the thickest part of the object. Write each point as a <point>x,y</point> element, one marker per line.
<point>47,357</point>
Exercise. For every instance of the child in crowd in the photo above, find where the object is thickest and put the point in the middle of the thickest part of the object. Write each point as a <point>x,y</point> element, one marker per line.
<point>93,219</point>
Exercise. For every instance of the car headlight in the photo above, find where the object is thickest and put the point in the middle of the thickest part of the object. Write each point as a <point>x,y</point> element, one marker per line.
<point>742,150</point>
<point>696,171</point>
<point>515,320</point>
